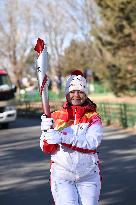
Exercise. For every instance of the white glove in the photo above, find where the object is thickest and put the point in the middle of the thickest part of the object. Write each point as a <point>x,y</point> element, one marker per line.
<point>53,136</point>
<point>46,122</point>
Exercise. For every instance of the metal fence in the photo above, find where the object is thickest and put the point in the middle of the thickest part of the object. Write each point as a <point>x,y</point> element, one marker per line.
<point>122,114</point>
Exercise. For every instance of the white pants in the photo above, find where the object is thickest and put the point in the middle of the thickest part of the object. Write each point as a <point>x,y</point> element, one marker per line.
<point>84,191</point>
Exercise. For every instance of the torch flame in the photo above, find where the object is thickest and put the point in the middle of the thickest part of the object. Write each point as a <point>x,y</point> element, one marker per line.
<point>39,46</point>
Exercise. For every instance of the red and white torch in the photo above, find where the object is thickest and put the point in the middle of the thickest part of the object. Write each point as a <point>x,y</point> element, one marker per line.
<point>42,67</point>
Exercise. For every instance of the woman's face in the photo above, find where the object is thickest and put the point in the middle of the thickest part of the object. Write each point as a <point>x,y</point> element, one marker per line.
<point>76,97</point>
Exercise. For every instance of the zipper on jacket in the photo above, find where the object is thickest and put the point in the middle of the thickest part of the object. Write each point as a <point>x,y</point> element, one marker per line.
<point>75,117</point>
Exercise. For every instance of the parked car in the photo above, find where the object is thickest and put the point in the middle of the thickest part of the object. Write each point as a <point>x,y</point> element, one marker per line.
<point>8,110</point>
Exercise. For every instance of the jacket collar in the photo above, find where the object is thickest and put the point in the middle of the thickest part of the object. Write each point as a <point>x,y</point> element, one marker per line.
<point>80,110</point>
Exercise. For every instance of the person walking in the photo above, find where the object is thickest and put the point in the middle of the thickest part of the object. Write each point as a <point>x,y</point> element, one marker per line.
<point>72,142</point>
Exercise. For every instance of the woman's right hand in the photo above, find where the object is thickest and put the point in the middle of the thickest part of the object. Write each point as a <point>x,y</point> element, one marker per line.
<point>46,123</point>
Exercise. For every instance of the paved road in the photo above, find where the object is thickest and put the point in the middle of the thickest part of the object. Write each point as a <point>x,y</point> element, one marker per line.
<point>25,169</point>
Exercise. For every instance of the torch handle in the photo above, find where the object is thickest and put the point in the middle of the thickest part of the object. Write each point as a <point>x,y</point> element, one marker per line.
<point>46,106</point>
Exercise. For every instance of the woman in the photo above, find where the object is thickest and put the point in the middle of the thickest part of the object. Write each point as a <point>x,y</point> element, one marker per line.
<point>73,143</point>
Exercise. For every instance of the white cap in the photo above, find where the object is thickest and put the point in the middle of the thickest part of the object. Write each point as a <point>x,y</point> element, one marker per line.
<point>76,81</point>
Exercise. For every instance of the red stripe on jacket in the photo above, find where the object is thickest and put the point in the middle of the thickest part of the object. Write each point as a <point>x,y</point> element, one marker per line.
<point>79,149</point>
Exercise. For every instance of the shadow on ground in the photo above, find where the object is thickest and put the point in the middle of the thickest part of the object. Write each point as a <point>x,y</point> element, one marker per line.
<point>24,122</point>
<point>25,169</point>
<point>118,165</point>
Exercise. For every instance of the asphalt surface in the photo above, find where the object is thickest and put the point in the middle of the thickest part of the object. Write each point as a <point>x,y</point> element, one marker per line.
<point>24,178</point>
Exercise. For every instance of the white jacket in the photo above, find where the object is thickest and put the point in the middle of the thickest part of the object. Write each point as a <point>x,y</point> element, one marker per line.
<point>83,131</point>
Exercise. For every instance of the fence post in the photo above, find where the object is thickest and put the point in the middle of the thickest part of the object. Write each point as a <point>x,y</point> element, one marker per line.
<point>123,115</point>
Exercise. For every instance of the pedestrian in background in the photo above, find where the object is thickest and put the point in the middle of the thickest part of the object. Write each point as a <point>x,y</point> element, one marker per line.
<point>73,143</point>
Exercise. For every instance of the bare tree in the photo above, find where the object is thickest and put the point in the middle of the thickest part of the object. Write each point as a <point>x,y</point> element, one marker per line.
<point>57,26</point>
<point>85,18</point>
<point>83,14</point>
<point>15,36</point>
<point>23,21</point>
